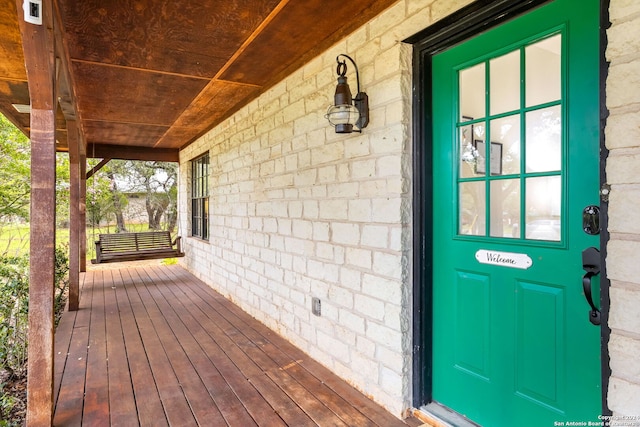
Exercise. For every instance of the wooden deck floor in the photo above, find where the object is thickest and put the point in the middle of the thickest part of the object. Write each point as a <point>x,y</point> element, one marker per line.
<point>155,346</point>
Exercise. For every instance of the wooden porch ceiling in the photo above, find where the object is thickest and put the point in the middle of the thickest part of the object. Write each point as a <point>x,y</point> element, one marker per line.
<point>158,74</point>
<point>156,346</point>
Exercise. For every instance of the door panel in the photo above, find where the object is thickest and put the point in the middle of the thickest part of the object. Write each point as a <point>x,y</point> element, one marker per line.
<point>540,347</point>
<point>515,161</point>
<point>472,322</point>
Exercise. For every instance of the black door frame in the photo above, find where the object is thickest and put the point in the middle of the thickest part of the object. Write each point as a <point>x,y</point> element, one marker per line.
<point>473,19</point>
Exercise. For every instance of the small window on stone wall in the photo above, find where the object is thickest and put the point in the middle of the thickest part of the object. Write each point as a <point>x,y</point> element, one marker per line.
<point>200,197</point>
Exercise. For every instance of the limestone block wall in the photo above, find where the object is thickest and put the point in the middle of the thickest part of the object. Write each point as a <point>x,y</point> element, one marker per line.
<point>298,211</point>
<point>622,138</point>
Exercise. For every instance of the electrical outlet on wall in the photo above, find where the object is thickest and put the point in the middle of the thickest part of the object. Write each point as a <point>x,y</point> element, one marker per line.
<point>316,306</point>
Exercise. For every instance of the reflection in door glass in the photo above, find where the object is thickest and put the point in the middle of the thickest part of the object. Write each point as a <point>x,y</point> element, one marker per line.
<point>510,158</point>
<point>472,92</point>
<point>505,83</point>
<point>544,140</point>
<point>543,208</point>
<point>505,208</point>
<point>468,151</point>
<point>543,71</point>
<point>506,131</point>
<point>472,214</point>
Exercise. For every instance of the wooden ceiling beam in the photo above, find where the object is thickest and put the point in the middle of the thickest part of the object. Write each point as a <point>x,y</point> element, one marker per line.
<point>252,37</point>
<point>177,69</point>
<point>130,68</point>
<point>66,89</point>
<point>128,152</point>
<point>97,167</point>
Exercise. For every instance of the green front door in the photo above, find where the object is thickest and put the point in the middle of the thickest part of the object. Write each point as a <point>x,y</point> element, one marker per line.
<point>516,161</point>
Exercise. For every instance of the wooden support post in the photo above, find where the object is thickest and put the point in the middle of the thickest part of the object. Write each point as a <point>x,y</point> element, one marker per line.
<point>74,216</point>
<point>42,263</point>
<point>83,207</point>
<point>38,48</point>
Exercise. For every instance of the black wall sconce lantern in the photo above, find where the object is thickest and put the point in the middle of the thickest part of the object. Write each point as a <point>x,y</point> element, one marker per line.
<point>348,111</point>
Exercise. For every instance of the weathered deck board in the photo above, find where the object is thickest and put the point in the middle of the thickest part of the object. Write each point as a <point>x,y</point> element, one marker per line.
<point>65,326</point>
<point>96,391</point>
<point>176,407</point>
<point>167,326</point>
<point>122,403</point>
<point>185,326</point>
<point>147,399</point>
<point>319,402</point>
<point>70,356</point>
<point>155,346</point>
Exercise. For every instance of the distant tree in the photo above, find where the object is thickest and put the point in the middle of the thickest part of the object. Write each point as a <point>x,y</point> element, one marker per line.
<point>98,200</point>
<point>104,197</point>
<point>15,172</point>
<point>117,203</point>
<point>15,176</point>
<point>62,189</point>
<point>161,190</point>
<point>172,209</point>
<point>158,181</point>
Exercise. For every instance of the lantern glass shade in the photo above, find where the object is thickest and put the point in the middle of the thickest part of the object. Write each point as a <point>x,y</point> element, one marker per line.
<point>343,117</point>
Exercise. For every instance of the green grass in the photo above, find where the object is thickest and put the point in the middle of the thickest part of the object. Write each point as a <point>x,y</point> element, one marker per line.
<point>14,238</point>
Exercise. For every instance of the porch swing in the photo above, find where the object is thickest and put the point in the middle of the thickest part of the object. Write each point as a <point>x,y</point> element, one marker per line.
<point>138,246</point>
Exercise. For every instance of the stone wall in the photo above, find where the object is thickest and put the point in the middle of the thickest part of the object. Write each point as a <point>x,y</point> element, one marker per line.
<point>298,211</point>
<point>622,138</point>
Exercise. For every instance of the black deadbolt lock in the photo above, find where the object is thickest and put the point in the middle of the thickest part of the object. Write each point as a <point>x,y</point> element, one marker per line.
<point>591,220</point>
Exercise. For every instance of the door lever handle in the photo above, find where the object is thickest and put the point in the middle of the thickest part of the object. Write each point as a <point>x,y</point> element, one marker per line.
<point>594,313</point>
<point>591,264</point>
